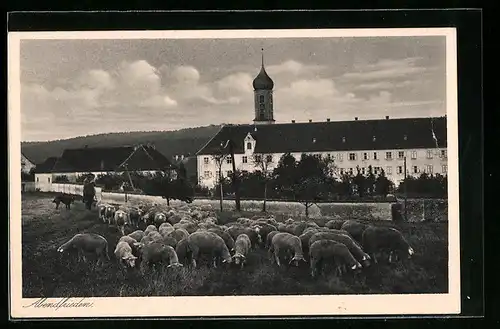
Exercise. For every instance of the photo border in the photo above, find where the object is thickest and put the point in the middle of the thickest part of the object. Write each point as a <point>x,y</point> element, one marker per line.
<point>14,151</point>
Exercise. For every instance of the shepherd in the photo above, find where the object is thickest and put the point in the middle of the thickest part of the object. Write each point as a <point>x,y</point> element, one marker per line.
<point>89,192</point>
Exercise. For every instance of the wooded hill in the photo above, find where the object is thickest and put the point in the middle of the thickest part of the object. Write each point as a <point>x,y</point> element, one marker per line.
<point>170,143</point>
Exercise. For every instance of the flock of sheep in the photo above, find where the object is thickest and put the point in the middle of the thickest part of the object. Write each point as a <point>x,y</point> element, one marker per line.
<point>180,236</point>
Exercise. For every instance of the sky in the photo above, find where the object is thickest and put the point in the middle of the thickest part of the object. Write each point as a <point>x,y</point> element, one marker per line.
<point>73,88</point>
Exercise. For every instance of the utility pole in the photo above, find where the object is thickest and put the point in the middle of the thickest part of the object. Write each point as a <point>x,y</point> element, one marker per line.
<point>235,177</point>
<point>406,219</point>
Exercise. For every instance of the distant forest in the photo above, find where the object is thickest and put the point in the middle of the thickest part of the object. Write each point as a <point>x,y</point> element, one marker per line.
<point>170,143</point>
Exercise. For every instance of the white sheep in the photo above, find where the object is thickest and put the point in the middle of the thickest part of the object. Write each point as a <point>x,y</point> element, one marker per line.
<point>347,240</point>
<point>208,243</point>
<point>123,252</point>
<point>87,243</point>
<point>121,219</point>
<point>288,243</point>
<point>242,246</point>
<point>327,250</point>
<point>157,252</point>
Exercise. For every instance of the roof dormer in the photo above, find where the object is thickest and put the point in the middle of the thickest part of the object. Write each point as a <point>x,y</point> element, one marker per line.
<point>249,144</point>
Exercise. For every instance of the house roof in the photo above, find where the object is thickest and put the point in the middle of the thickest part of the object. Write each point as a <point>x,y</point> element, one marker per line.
<point>110,159</point>
<point>24,155</point>
<point>406,133</point>
<point>46,166</point>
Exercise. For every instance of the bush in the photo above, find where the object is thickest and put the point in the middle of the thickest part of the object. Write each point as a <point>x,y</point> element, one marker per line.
<point>61,179</point>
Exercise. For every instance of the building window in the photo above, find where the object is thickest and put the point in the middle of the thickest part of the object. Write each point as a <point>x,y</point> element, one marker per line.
<point>375,170</point>
<point>352,156</point>
<point>444,169</point>
<point>388,155</point>
<point>48,179</point>
<point>206,174</point>
<point>245,159</point>
<point>429,154</point>
<point>401,154</point>
<point>341,171</point>
<point>261,99</point>
<point>249,146</point>
<point>413,154</point>
<point>429,169</point>
<point>443,154</point>
<point>229,173</point>
<point>38,179</point>
<point>365,156</point>
<point>400,169</point>
<point>269,158</point>
<point>205,160</point>
<point>363,170</point>
<point>374,155</point>
<point>229,160</point>
<point>415,169</point>
<point>340,156</point>
<point>389,170</point>
<point>350,171</point>
<point>258,158</point>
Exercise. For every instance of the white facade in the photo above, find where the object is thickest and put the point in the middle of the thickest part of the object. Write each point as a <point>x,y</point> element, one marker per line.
<point>432,161</point>
<point>43,182</point>
<point>26,164</point>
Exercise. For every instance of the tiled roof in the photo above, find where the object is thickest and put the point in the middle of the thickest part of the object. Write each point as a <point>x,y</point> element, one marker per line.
<point>354,135</point>
<point>110,159</point>
<point>46,166</point>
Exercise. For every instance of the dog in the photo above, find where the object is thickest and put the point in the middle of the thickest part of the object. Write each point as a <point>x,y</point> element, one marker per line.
<point>65,199</point>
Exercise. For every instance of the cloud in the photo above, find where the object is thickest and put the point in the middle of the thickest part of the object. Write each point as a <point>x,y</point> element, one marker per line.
<point>380,85</point>
<point>386,69</point>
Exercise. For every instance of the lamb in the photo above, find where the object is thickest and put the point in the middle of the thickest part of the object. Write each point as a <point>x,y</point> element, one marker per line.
<point>157,252</point>
<point>208,243</point>
<point>382,239</point>
<point>355,229</point>
<point>87,243</point>
<point>137,235</point>
<point>288,243</point>
<point>242,246</point>
<point>121,219</point>
<point>123,252</point>
<point>335,224</point>
<point>228,239</point>
<point>324,250</point>
<point>353,246</point>
<point>149,229</point>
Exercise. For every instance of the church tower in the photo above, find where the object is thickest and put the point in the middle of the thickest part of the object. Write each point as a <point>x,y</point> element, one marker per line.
<point>263,96</point>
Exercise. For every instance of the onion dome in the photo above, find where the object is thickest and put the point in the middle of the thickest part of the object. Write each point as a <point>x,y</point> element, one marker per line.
<point>262,80</point>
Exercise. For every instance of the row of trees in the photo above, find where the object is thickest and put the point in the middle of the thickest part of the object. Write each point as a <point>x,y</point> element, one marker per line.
<point>312,179</point>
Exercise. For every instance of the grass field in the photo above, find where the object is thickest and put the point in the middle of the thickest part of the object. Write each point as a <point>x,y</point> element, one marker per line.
<point>47,274</point>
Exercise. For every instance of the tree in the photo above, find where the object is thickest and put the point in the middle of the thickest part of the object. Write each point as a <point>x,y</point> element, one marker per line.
<point>370,181</point>
<point>263,163</point>
<point>219,160</point>
<point>382,184</point>
<point>285,174</point>
<point>359,181</point>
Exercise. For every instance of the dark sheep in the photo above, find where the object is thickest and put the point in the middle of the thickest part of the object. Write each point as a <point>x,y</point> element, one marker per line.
<point>355,229</point>
<point>379,239</point>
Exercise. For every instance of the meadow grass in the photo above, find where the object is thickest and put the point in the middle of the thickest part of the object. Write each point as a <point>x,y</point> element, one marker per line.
<point>47,274</point>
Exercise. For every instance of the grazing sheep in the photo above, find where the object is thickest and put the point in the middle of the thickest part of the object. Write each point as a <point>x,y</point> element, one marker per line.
<point>208,243</point>
<point>345,239</point>
<point>228,239</point>
<point>87,243</point>
<point>169,241</point>
<point>183,252</point>
<point>151,237</point>
<point>252,233</point>
<point>355,229</point>
<point>306,237</point>
<point>157,252</point>
<point>133,243</point>
<point>242,246</point>
<point>385,239</point>
<point>137,235</point>
<point>123,252</point>
<point>121,219</point>
<point>65,199</point>
<point>325,250</point>
<point>335,224</point>
<point>269,238</point>
<point>190,227</point>
<point>265,229</point>
<point>179,234</point>
<point>149,229</point>
<point>288,243</point>
<point>297,228</point>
